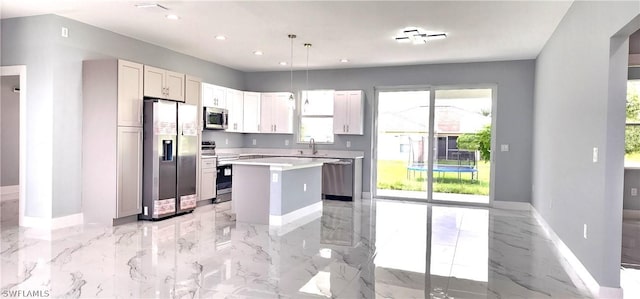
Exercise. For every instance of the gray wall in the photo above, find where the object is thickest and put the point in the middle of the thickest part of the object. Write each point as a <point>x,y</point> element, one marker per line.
<point>514,106</point>
<point>10,108</point>
<point>580,104</point>
<point>289,189</point>
<point>54,74</point>
<point>631,180</point>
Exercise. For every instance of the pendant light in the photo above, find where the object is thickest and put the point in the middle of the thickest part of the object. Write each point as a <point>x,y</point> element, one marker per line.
<point>306,100</point>
<point>292,100</point>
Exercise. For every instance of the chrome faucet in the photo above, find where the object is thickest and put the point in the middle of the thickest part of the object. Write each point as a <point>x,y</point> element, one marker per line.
<point>312,146</point>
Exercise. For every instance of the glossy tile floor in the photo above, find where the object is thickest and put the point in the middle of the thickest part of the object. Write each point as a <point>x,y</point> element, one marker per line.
<point>363,250</point>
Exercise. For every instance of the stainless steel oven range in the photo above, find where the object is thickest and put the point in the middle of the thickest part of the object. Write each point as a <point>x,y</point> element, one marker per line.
<point>225,176</point>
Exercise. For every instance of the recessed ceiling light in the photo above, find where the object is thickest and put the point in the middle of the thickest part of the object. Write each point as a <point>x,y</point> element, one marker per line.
<point>343,60</point>
<point>283,63</point>
<point>221,37</point>
<point>257,53</point>
<point>172,17</point>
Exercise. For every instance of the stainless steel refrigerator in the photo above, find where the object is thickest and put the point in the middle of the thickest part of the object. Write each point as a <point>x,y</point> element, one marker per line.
<point>169,161</point>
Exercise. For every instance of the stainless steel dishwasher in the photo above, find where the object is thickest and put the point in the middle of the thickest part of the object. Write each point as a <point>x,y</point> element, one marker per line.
<point>337,180</point>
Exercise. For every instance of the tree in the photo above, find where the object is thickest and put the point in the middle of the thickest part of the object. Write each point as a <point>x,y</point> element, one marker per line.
<point>479,141</point>
<point>633,105</point>
<point>632,132</point>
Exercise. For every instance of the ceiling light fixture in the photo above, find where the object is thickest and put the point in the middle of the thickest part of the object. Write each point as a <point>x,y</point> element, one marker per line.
<point>306,100</point>
<point>258,53</point>
<point>172,17</point>
<point>221,37</point>
<point>292,100</point>
<point>417,36</point>
<point>150,5</point>
<point>283,63</point>
<point>344,60</point>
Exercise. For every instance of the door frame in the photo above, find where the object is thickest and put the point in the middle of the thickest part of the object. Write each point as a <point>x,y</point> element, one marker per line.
<point>432,97</point>
<point>20,70</point>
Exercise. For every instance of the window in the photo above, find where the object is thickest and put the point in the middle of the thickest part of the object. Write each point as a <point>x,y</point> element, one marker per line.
<point>316,116</point>
<point>632,129</point>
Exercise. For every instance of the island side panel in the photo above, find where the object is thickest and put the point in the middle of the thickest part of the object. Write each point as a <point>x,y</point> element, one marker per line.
<point>250,193</point>
<point>294,197</point>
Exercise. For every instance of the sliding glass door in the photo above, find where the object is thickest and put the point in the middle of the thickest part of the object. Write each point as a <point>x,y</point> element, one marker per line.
<point>434,144</point>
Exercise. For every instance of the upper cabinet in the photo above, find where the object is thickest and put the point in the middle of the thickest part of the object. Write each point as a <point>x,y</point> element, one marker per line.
<point>214,96</point>
<point>130,93</point>
<point>276,115</point>
<point>235,106</point>
<point>163,84</point>
<point>348,112</point>
<point>192,90</point>
<point>251,112</point>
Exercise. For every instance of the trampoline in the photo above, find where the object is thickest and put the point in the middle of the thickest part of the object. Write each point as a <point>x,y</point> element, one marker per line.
<point>440,169</point>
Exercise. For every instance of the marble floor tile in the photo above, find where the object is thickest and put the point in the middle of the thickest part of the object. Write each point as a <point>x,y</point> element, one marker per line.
<point>362,249</point>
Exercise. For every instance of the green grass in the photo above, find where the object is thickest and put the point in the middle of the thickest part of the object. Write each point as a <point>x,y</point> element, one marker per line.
<point>632,157</point>
<point>393,175</point>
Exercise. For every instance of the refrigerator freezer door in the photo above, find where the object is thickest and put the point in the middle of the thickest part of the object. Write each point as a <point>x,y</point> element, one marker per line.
<point>160,163</point>
<point>187,156</point>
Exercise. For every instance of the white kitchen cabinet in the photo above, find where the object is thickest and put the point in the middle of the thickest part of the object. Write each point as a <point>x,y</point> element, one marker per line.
<point>112,140</point>
<point>251,112</point>
<point>214,96</point>
<point>129,171</point>
<point>192,90</point>
<point>163,84</point>
<point>208,176</point>
<point>348,112</point>
<point>276,115</point>
<point>130,93</point>
<point>236,110</point>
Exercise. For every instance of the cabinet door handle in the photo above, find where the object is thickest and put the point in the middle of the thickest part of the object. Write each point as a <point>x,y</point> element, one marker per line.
<point>347,128</point>
<point>344,128</point>
<point>275,128</point>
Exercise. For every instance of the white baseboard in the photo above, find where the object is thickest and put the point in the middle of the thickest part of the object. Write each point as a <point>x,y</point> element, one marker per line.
<point>572,263</point>
<point>52,223</point>
<point>512,205</point>
<point>366,195</point>
<point>631,214</point>
<point>276,220</point>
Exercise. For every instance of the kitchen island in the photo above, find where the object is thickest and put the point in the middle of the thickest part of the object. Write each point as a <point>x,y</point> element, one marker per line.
<point>277,190</point>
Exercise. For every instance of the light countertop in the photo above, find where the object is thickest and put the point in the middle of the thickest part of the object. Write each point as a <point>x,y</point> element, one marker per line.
<point>293,152</point>
<point>284,163</point>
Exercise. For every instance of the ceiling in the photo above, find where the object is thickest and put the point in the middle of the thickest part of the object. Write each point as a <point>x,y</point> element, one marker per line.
<point>361,31</point>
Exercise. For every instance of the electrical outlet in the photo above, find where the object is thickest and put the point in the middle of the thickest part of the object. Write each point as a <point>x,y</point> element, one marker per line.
<point>348,144</point>
<point>226,141</point>
<point>634,191</point>
<point>254,142</point>
<point>304,187</point>
<point>595,154</point>
<point>146,210</point>
<point>64,32</point>
<point>584,232</point>
<point>286,142</point>
<point>504,147</point>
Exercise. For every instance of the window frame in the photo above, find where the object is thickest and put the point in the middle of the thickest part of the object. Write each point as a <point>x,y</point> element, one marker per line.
<point>300,116</point>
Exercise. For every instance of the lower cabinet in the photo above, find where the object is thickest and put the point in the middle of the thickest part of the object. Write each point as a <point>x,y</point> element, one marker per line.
<point>208,176</point>
<point>129,171</point>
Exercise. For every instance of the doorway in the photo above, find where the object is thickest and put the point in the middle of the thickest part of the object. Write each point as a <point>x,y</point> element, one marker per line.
<point>12,145</point>
<point>433,144</point>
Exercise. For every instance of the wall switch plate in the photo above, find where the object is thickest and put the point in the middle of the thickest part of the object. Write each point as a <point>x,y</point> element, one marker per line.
<point>254,142</point>
<point>64,32</point>
<point>274,177</point>
<point>286,142</point>
<point>146,210</point>
<point>504,147</point>
<point>304,187</point>
<point>226,141</point>
<point>595,154</point>
<point>634,191</point>
<point>348,144</point>
<point>584,231</point>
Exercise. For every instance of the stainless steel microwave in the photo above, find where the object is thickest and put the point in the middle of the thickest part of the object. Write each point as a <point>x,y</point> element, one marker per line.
<point>216,118</point>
